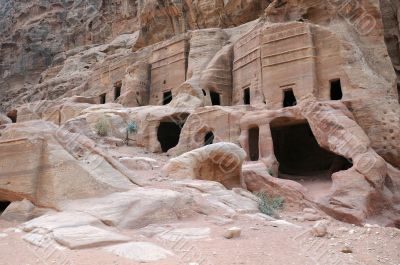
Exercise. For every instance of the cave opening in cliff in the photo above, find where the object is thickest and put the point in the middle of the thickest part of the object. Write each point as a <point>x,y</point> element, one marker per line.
<point>4,205</point>
<point>13,115</point>
<point>336,89</point>
<point>167,97</point>
<point>168,135</point>
<point>398,91</point>
<point>209,138</point>
<point>117,90</point>
<point>215,98</point>
<point>289,98</point>
<point>103,98</point>
<point>169,131</point>
<point>246,96</point>
<point>254,138</point>
<point>299,154</point>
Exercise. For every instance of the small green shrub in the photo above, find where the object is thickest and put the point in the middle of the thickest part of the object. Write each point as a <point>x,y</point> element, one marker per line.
<point>269,205</point>
<point>270,171</point>
<point>102,126</point>
<point>130,129</point>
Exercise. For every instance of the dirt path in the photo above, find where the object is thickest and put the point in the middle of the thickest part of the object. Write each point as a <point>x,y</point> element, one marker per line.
<point>261,242</point>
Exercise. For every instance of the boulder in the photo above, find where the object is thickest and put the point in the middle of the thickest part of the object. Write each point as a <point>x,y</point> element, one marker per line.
<point>86,236</point>
<point>212,198</point>
<point>139,163</point>
<point>62,112</point>
<point>257,179</point>
<point>349,197</point>
<point>51,221</point>
<point>22,211</point>
<point>74,230</point>
<point>136,208</point>
<point>46,164</point>
<point>233,232</point>
<point>221,162</point>
<point>4,119</point>
<point>320,229</point>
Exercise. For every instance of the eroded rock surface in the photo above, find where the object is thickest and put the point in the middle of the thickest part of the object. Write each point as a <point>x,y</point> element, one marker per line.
<point>127,116</point>
<point>221,162</point>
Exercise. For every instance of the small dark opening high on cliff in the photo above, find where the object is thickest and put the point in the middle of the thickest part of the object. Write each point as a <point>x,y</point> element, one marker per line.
<point>209,138</point>
<point>336,90</point>
<point>254,138</point>
<point>167,97</point>
<point>117,90</point>
<point>288,98</point>
<point>398,91</point>
<point>4,205</point>
<point>103,98</point>
<point>215,98</point>
<point>246,96</point>
<point>13,115</point>
<point>299,153</point>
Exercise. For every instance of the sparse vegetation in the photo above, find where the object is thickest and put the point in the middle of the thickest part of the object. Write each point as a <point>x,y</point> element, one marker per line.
<point>102,126</point>
<point>269,205</point>
<point>130,129</point>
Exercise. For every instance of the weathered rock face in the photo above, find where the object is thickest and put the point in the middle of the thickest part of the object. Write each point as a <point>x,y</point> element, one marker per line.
<point>22,211</point>
<point>41,163</point>
<point>221,162</point>
<point>4,119</point>
<point>161,20</point>
<point>36,34</point>
<point>391,20</point>
<point>134,209</point>
<point>39,34</point>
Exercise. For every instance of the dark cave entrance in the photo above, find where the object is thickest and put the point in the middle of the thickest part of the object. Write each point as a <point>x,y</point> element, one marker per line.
<point>209,138</point>
<point>398,91</point>
<point>168,135</point>
<point>169,131</point>
<point>289,98</point>
<point>4,205</point>
<point>336,90</point>
<point>215,98</point>
<point>299,153</point>
<point>117,89</point>
<point>254,138</point>
<point>13,115</point>
<point>103,98</point>
<point>246,96</point>
<point>167,97</point>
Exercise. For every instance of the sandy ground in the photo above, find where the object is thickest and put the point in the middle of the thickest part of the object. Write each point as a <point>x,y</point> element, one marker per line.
<point>262,242</point>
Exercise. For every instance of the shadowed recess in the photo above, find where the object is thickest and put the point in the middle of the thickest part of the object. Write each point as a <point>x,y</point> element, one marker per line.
<point>299,153</point>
